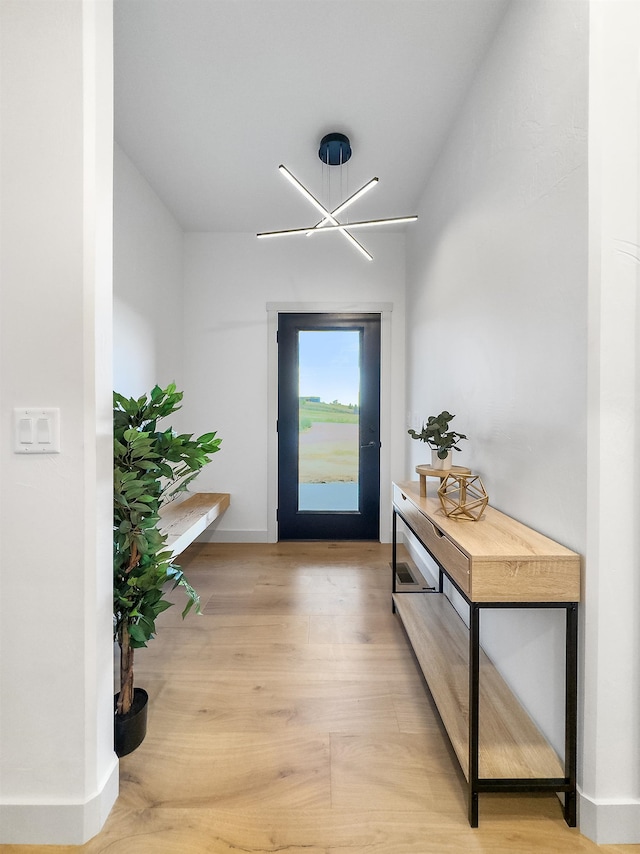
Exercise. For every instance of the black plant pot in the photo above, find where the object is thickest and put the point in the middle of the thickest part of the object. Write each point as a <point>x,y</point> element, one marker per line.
<point>130,729</point>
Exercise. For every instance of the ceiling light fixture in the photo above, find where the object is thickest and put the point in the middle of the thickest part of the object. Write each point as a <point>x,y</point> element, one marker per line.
<point>335,150</point>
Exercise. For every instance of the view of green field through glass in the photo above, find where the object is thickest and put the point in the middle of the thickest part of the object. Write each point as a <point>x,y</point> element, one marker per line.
<point>329,396</point>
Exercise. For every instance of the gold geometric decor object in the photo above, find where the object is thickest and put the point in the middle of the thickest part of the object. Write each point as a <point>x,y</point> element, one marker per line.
<point>463,496</point>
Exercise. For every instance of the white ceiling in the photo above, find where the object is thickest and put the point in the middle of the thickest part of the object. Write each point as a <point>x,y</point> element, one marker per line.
<point>212,95</point>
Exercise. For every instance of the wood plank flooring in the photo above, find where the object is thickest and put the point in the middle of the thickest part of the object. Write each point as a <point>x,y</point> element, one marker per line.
<point>291,717</point>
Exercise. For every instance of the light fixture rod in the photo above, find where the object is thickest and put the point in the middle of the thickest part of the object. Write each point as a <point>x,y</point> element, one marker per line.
<point>397,220</point>
<point>347,202</point>
<point>325,213</point>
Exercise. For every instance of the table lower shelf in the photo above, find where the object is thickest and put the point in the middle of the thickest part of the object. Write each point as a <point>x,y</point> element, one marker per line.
<point>510,744</point>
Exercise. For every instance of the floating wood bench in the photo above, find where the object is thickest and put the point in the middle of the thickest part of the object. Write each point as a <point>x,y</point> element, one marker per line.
<point>183,521</point>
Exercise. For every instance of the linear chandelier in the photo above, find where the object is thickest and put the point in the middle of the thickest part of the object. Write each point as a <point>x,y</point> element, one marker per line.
<point>335,150</point>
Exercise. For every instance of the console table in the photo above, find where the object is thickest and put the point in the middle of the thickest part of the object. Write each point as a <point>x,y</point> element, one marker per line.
<point>495,562</point>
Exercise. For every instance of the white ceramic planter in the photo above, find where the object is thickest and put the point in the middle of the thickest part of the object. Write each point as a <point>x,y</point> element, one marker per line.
<point>437,463</point>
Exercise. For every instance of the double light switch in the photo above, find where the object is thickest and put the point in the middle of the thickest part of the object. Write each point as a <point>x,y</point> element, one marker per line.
<point>36,431</point>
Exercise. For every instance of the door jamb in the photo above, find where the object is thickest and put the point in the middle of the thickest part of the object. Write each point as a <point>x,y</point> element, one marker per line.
<point>384,309</point>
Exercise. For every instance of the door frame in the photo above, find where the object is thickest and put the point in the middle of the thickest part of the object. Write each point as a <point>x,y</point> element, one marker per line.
<point>362,521</point>
<point>384,309</point>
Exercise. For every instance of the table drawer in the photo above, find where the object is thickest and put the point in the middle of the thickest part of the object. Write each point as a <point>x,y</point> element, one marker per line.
<point>455,562</point>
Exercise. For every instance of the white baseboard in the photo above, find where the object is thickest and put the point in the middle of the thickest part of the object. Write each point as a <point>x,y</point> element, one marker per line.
<point>218,535</point>
<point>226,536</point>
<point>59,823</point>
<point>608,822</point>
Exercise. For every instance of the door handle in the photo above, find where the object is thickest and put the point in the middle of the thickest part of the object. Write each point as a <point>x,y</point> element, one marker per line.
<point>370,445</point>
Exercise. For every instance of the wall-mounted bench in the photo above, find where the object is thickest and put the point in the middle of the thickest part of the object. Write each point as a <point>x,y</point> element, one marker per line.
<point>183,521</point>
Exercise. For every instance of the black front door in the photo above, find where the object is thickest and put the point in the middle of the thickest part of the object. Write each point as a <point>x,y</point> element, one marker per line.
<point>328,426</point>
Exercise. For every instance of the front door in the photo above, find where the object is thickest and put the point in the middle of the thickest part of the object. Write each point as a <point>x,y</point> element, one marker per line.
<point>328,426</point>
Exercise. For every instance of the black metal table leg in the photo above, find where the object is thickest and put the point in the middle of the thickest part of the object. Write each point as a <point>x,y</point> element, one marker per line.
<point>474,710</point>
<point>571,713</point>
<point>394,535</point>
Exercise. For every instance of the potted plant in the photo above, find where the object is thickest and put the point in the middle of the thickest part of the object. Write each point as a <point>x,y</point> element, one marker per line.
<point>440,439</point>
<point>150,466</point>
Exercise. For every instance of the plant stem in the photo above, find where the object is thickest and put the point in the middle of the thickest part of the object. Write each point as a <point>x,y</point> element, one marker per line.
<point>135,557</point>
<point>125,698</point>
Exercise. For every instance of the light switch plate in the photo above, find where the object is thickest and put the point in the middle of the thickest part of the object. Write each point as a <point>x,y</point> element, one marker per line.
<point>36,430</point>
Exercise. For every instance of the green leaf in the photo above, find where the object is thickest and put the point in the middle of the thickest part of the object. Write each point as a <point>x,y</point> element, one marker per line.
<point>162,606</point>
<point>138,633</point>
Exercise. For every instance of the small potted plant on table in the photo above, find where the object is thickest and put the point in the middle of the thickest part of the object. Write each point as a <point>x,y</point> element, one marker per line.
<point>442,441</point>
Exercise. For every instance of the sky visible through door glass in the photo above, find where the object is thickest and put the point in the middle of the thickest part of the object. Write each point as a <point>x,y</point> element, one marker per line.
<point>328,442</point>
<point>329,365</point>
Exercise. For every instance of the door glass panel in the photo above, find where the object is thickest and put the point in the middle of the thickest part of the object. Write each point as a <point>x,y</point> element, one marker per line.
<point>329,428</point>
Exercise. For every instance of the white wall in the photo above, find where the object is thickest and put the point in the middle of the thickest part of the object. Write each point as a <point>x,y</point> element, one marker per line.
<point>497,307</point>
<point>147,285</point>
<point>59,773</point>
<point>229,279</point>
<point>610,808</point>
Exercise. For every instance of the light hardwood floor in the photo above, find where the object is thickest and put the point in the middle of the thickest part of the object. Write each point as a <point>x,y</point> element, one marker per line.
<point>291,717</point>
